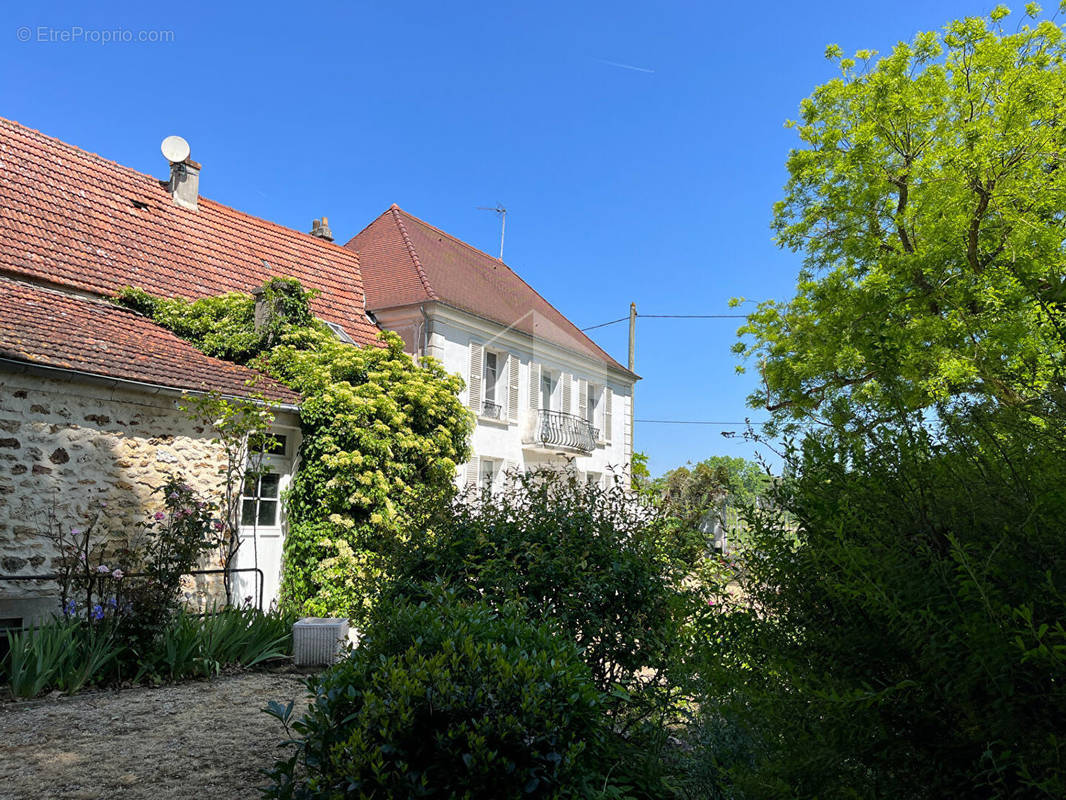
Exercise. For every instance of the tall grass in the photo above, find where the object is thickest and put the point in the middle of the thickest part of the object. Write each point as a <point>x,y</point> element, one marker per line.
<point>64,654</point>
<point>70,654</point>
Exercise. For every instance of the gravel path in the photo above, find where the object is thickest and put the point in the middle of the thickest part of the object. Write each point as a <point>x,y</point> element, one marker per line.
<point>196,740</point>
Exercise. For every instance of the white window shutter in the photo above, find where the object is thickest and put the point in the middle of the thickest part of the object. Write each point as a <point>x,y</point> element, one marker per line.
<point>568,379</point>
<point>608,417</point>
<point>477,365</point>
<point>473,471</point>
<point>512,387</point>
<point>583,400</point>
<point>534,385</point>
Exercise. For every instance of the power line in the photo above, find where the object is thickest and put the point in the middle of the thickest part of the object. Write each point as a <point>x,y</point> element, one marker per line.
<point>694,316</point>
<point>605,324</point>
<point>667,316</point>
<point>693,422</point>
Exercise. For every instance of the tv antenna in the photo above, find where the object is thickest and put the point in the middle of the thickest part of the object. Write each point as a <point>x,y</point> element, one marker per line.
<point>503,221</point>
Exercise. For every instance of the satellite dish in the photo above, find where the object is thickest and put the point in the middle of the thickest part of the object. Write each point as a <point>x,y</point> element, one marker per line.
<point>175,149</point>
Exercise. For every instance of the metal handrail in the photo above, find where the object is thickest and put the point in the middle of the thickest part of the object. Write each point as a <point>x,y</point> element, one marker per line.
<point>55,576</point>
<point>565,430</point>
<point>491,410</point>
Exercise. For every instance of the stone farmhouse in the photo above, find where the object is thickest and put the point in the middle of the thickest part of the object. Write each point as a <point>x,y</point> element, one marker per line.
<point>90,392</point>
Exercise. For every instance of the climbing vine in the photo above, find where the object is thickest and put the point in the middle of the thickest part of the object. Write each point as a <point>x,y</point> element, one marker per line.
<point>382,435</point>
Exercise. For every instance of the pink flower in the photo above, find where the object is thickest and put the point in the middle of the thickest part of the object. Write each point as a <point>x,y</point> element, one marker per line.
<point>103,568</point>
<point>75,532</point>
<point>117,574</point>
<point>217,525</point>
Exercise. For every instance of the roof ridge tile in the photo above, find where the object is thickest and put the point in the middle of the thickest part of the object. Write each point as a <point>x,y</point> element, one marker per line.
<point>396,212</point>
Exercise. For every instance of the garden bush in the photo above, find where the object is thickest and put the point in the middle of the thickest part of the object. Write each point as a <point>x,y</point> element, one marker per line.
<point>588,558</point>
<point>908,642</point>
<point>601,568</point>
<point>451,698</point>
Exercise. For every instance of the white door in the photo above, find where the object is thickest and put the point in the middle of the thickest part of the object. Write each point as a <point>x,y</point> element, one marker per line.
<point>262,523</point>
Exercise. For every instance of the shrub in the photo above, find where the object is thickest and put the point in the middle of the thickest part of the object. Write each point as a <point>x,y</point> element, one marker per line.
<point>450,699</point>
<point>95,583</point>
<point>908,642</point>
<point>588,558</point>
<point>596,564</point>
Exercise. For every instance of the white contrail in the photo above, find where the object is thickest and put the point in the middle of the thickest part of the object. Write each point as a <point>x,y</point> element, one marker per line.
<point>623,66</point>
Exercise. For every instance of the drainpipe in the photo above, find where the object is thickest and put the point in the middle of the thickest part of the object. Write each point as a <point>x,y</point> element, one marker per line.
<point>425,330</point>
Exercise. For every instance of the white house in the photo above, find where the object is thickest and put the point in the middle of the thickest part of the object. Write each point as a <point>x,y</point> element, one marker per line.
<point>544,394</point>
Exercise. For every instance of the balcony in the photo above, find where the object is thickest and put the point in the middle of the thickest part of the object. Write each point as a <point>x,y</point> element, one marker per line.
<point>554,430</point>
<point>491,410</point>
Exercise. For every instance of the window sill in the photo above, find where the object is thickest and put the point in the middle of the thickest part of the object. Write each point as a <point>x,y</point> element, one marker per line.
<point>494,421</point>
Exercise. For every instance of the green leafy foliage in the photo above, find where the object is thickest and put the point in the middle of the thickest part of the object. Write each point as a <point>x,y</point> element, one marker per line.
<point>908,642</point>
<point>70,653</point>
<point>598,565</point>
<point>66,654</point>
<point>382,435</point>
<point>450,699</point>
<point>224,326</point>
<point>587,557</point>
<point>201,646</point>
<point>694,498</point>
<point>926,199</point>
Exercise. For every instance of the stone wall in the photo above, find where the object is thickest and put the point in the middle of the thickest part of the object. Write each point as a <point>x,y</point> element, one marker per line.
<point>66,447</point>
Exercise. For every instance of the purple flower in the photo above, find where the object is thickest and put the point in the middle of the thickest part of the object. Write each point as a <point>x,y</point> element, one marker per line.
<point>112,602</point>
<point>117,574</point>
<point>98,612</point>
<point>75,531</point>
<point>173,495</point>
<point>217,525</point>
<point>160,515</point>
<point>103,568</point>
<point>70,608</point>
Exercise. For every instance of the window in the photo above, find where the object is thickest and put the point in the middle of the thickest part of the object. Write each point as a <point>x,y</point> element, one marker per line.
<point>594,478</point>
<point>547,389</point>
<point>592,403</point>
<point>260,500</point>
<point>488,473</point>
<point>491,374</point>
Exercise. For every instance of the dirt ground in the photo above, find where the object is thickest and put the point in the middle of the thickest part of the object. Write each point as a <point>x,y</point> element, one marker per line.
<point>196,740</point>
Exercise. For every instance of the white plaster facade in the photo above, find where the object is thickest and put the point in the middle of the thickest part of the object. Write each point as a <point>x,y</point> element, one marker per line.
<point>594,396</point>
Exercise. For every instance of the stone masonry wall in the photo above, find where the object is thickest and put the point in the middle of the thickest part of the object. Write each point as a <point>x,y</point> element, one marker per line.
<point>65,445</point>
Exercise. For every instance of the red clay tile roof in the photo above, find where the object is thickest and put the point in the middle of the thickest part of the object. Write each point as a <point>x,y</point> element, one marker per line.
<point>48,328</point>
<point>405,260</point>
<point>75,219</point>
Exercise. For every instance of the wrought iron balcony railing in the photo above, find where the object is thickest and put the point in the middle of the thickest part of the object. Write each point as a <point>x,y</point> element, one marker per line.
<point>491,410</point>
<point>558,429</point>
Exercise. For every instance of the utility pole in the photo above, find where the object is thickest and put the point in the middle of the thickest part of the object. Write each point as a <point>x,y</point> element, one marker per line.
<point>633,391</point>
<point>632,335</point>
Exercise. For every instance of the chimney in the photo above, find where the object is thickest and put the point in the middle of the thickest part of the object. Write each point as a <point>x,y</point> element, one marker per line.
<point>320,228</point>
<point>184,183</point>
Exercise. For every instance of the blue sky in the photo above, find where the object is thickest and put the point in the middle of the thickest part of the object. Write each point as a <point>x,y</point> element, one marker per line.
<point>638,147</point>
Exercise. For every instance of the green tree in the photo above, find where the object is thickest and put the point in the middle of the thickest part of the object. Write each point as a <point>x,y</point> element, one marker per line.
<point>927,201</point>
